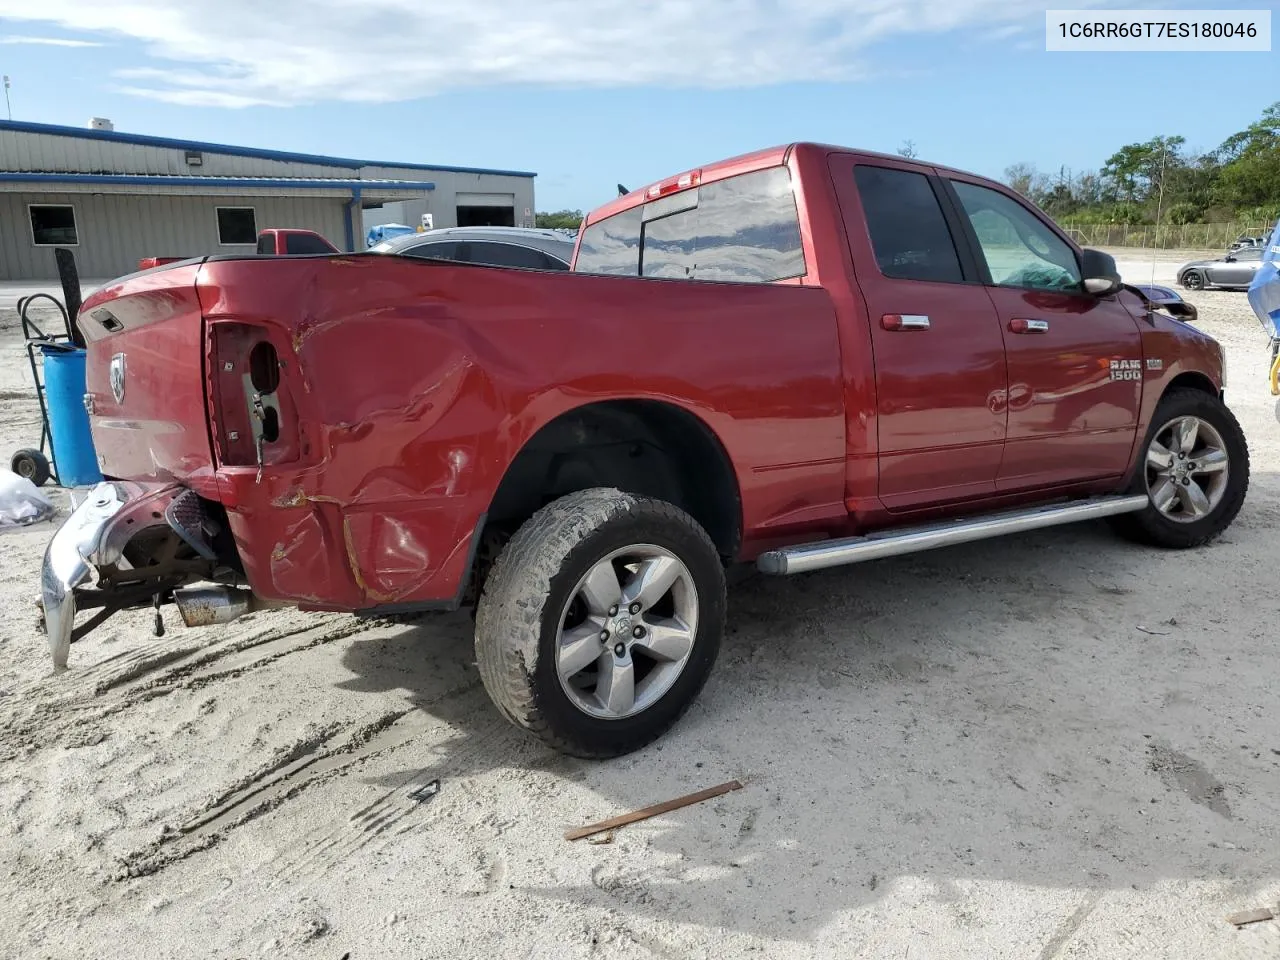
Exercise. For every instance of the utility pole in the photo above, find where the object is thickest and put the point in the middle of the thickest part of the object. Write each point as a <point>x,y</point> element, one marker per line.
<point>8,109</point>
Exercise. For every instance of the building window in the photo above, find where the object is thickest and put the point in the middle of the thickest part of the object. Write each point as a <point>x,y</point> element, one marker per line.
<point>237,227</point>
<point>53,225</point>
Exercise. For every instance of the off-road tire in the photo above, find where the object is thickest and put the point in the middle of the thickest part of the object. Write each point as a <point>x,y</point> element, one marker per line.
<point>524,597</point>
<point>1149,526</point>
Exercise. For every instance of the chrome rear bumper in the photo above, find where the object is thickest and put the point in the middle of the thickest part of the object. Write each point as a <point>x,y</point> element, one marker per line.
<point>94,536</point>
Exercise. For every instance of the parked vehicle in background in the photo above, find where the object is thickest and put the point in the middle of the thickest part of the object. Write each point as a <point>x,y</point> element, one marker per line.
<point>1239,243</point>
<point>278,240</point>
<point>274,241</point>
<point>385,231</point>
<point>493,246</point>
<point>803,357</point>
<point>1234,270</point>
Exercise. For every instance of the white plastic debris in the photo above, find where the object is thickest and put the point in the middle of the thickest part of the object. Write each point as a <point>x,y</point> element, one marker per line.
<point>21,502</point>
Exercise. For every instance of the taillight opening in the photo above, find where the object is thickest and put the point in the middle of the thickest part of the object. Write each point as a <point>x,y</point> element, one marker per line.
<point>270,425</point>
<point>264,367</point>
<point>252,404</point>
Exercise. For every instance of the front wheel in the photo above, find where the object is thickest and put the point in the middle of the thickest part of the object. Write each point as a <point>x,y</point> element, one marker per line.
<point>600,621</point>
<point>1193,280</point>
<point>1195,472</point>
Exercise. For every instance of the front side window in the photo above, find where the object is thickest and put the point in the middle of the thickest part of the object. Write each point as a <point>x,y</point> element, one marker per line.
<point>53,225</point>
<point>742,229</point>
<point>908,230</point>
<point>1250,253</point>
<point>1020,249</point>
<point>237,226</point>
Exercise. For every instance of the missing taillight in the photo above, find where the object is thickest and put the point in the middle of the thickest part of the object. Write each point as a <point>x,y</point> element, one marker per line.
<point>264,367</point>
<point>270,425</point>
<point>252,405</point>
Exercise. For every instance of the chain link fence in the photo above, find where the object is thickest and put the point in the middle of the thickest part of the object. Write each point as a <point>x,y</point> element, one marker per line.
<point>1167,236</point>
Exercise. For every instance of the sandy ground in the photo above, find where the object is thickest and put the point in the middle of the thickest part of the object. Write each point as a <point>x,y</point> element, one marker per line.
<point>1053,746</point>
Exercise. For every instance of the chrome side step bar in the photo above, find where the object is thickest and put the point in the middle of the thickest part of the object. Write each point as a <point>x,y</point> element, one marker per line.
<point>893,543</point>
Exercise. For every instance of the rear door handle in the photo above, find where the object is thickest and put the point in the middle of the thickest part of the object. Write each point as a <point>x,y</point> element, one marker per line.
<point>904,321</point>
<point>1028,326</point>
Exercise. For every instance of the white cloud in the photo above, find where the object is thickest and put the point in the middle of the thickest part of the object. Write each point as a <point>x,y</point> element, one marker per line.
<point>50,42</point>
<point>244,52</point>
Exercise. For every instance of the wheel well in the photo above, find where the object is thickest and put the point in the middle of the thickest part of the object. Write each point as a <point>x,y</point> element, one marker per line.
<point>1192,381</point>
<point>644,447</point>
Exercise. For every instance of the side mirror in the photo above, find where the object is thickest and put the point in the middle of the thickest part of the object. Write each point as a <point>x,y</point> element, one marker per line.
<point>1184,311</point>
<point>1099,273</point>
<point>1228,259</point>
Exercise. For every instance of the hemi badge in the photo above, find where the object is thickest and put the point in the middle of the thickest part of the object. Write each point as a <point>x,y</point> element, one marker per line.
<point>1154,363</point>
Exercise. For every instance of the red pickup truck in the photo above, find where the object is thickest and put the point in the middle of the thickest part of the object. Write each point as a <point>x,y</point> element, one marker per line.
<point>274,240</point>
<point>804,357</point>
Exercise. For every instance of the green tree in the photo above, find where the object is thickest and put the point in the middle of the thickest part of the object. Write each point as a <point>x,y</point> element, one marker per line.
<point>560,220</point>
<point>1180,213</point>
<point>1138,169</point>
<point>1021,177</point>
<point>1250,173</point>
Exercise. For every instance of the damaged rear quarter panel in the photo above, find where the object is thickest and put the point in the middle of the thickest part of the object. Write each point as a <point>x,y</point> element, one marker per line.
<point>419,382</point>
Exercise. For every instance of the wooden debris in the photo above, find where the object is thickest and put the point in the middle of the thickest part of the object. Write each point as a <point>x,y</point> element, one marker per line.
<point>656,810</point>
<point>1154,633</point>
<point>1250,916</point>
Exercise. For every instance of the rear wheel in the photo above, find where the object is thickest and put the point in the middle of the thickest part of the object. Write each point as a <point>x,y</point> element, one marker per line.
<point>31,465</point>
<point>1195,472</point>
<point>600,621</point>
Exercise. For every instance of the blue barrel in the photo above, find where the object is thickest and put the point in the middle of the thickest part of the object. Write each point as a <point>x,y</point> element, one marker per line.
<point>73,454</point>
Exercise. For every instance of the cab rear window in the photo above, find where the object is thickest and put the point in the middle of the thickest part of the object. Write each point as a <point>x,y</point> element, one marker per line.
<point>742,229</point>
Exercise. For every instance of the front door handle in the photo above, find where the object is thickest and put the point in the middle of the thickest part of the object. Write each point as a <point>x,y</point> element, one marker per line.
<point>904,321</point>
<point>1028,326</point>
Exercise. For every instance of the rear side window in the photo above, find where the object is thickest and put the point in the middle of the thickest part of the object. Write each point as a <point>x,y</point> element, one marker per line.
<point>908,231</point>
<point>743,229</point>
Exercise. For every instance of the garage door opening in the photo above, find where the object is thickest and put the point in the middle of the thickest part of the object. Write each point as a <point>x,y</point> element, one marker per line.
<point>486,209</point>
<point>486,216</point>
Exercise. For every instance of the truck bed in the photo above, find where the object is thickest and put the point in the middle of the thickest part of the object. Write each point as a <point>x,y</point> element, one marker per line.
<point>407,387</point>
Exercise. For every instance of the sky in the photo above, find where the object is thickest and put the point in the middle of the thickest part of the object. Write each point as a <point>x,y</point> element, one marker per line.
<point>595,93</point>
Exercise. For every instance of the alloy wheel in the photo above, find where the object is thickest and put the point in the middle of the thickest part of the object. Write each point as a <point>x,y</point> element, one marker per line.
<point>1187,469</point>
<point>627,632</point>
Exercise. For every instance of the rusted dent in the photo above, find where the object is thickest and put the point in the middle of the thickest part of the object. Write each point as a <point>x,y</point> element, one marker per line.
<point>349,542</point>
<point>294,498</point>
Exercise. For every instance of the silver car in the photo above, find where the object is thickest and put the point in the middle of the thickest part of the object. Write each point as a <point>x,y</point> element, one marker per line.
<point>1236,269</point>
<point>495,246</point>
